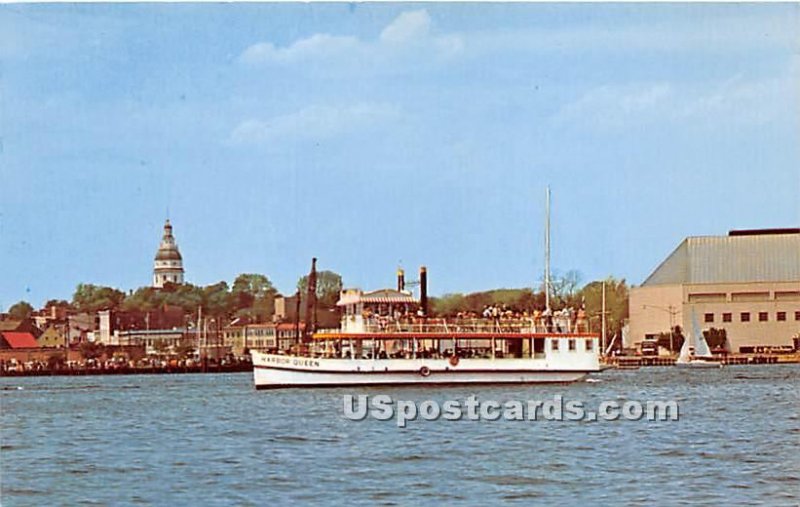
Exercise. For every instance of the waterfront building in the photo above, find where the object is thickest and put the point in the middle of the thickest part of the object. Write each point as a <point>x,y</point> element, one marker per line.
<point>168,267</point>
<point>53,337</point>
<point>288,333</point>
<point>21,326</point>
<point>54,313</point>
<point>241,337</point>
<point>80,326</point>
<point>110,323</point>
<point>156,341</point>
<point>17,340</point>
<point>746,283</point>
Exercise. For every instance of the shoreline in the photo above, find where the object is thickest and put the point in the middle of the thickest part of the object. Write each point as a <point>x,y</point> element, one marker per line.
<point>166,370</point>
<point>618,362</point>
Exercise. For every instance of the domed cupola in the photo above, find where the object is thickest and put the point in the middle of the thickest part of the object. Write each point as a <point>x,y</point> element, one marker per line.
<point>168,263</point>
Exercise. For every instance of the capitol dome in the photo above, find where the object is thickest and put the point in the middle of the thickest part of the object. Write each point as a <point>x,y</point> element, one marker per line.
<point>168,262</point>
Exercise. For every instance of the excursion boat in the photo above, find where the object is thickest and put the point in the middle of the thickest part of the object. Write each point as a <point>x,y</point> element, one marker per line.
<point>383,340</point>
<point>386,338</point>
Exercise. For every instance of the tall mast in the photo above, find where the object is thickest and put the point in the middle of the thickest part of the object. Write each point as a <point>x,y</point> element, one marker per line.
<point>547,250</point>
<point>603,318</point>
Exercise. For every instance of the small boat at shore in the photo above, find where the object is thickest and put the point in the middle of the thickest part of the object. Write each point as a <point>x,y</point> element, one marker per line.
<point>695,352</point>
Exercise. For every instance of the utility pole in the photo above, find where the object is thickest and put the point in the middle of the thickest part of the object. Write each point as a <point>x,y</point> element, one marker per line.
<point>603,320</point>
<point>672,311</point>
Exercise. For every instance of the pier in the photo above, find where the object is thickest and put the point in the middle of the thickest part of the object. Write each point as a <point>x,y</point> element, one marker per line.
<point>632,362</point>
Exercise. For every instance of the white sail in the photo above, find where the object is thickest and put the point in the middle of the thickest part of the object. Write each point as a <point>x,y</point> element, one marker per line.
<point>685,355</point>
<point>700,345</point>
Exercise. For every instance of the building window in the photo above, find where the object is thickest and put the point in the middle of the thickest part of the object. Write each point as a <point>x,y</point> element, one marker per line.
<point>796,315</point>
<point>763,316</point>
<point>571,344</point>
<point>554,345</point>
<point>781,316</point>
<point>727,317</point>
<point>745,316</point>
<point>709,317</point>
<point>589,345</point>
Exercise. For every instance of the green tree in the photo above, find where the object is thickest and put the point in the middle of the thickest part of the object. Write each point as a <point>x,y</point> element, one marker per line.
<point>254,284</point>
<point>676,339</point>
<point>564,288</point>
<point>591,295</point>
<point>144,299</point>
<point>90,298</point>
<point>329,285</point>
<point>20,311</point>
<point>716,338</point>
<point>254,296</point>
<point>186,296</point>
<point>217,300</point>
<point>57,302</point>
<point>447,305</point>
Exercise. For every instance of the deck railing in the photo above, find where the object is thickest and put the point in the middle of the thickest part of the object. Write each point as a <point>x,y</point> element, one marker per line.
<point>374,325</point>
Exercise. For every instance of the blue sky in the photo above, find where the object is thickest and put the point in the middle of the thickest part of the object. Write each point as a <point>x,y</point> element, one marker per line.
<point>373,134</point>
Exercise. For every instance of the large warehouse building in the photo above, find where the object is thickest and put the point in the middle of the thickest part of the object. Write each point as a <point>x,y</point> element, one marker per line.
<point>747,283</point>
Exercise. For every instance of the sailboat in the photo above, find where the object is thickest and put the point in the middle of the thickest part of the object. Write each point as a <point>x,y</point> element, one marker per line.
<point>695,352</point>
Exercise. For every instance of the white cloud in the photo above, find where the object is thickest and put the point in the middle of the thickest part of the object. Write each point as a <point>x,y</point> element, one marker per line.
<point>314,122</point>
<point>318,45</point>
<point>407,27</point>
<point>408,32</point>
<point>615,105</point>
<point>733,101</point>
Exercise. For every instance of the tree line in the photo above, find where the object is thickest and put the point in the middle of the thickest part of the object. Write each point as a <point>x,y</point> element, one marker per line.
<point>251,295</point>
<point>564,293</point>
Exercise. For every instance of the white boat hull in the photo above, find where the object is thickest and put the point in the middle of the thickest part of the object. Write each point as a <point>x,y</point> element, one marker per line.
<point>275,371</point>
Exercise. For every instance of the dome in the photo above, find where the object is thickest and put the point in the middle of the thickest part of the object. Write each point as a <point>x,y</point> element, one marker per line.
<point>168,255</point>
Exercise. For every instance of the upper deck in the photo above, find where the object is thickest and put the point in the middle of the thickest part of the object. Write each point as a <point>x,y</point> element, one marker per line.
<point>453,328</point>
<point>396,314</point>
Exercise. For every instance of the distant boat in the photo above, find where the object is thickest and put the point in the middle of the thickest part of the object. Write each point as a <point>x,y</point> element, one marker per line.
<point>695,352</point>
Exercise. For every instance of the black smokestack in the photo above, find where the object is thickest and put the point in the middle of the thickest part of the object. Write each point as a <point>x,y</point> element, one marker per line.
<point>401,280</point>
<point>423,290</point>
<point>311,301</point>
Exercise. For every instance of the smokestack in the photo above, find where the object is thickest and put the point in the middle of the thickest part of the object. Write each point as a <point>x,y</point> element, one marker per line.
<point>311,302</point>
<point>423,290</point>
<point>401,280</point>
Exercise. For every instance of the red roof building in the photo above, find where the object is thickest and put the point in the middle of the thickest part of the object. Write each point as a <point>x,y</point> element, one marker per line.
<point>17,340</point>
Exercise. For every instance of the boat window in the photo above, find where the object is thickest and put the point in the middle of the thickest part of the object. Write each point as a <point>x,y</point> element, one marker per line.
<point>538,345</point>
<point>589,345</point>
<point>554,344</point>
<point>571,344</point>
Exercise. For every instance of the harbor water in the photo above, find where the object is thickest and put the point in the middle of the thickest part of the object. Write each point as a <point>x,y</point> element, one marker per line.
<point>213,440</point>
